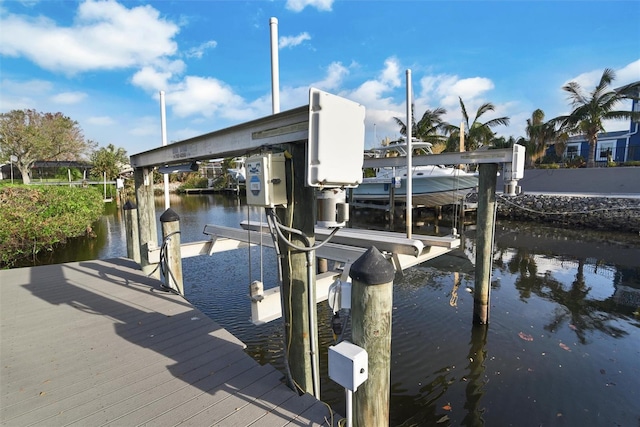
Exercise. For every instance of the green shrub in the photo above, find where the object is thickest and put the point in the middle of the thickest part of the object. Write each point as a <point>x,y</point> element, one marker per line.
<point>194,180</point>
<point>37,218</point>
<point>576,162</point>
<point>548,166</point>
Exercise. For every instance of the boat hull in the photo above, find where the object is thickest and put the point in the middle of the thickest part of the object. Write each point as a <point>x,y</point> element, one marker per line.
<point>427,191</point>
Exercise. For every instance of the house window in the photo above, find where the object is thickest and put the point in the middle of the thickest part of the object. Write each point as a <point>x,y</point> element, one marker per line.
<point>573,151</point>
<point>604,150</point>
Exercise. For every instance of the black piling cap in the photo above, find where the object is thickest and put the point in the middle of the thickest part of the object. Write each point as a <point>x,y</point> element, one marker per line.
<point>372,268</point>
<point>129,205</point>
<point>169,216</point>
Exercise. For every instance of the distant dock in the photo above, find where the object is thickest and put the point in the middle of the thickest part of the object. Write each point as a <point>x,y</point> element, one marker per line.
<point>99,343</point>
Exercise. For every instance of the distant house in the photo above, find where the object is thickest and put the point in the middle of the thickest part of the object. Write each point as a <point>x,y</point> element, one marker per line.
<point>46,169</point>
<point>619,146</point>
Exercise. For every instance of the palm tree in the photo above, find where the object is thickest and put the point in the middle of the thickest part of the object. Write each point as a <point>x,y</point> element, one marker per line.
<point>430,128</point>
<point>109,160</point>
<point>590,110</point>
<point>540,134</point>
<point>476,133</point>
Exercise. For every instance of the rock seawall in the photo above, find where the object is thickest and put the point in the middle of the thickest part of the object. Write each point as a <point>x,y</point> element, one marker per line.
<point>601,213</point>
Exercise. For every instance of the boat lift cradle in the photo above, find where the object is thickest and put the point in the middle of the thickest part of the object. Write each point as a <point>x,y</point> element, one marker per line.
<point>346,247</point>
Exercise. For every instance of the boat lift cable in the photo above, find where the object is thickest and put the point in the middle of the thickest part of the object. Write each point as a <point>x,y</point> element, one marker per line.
<point>249,246</point>
<point>289,377</point>
<point>309,248</point>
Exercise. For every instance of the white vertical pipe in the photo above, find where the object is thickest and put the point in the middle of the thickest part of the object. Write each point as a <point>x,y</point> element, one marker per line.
<point>409,126</point>
<point>275,71</point>
<point>349,407</point>
<point>163,129</point>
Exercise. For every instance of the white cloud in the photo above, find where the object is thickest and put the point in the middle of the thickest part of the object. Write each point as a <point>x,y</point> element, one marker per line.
<point>18,95</point>
<point>291,41</point>
<point>151,79</point>
<point>334,78</point>
<point>104,35</point>
<point>68,98</point>
<point>198,51</point>
<point>629,73</point>
<point>146,126</point>
<point>101,121</point>
<point>470,90</point>
<point>625,75</point>
<point>391,73</point>
<point>207,96</point>
<point>299,5</point>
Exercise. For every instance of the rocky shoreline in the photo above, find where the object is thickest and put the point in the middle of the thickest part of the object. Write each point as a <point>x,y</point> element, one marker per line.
<point>595,213</point>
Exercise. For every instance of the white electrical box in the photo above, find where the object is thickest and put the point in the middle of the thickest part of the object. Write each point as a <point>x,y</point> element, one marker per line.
<point>348,365</point>
<point>335,153</point>
<point>266,180</point>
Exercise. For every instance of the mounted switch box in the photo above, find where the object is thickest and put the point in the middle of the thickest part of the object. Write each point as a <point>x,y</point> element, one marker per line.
<point>348,365</point>
<point>336,141</point>
<point>266,180</point>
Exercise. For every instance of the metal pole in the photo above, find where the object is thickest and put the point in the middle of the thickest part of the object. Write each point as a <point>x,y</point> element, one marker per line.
<point>163,129</point>
<point>275,72</point>
<point>313,323</point>
<point>409,126</point>
<point>349,408</point>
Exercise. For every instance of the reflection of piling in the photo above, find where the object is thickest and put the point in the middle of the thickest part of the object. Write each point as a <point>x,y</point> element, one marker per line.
<point>484,241</point>
<point>171,250</point>
<point>475,380</point>
<point>371,310</point>
<point>131,229</point>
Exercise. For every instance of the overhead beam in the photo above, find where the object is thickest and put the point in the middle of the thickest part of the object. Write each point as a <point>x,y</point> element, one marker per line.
<point>287,127</point>
<point>500,155</point>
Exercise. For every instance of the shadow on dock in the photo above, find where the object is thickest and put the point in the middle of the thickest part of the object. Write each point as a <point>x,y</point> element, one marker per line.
<point>103,344</point>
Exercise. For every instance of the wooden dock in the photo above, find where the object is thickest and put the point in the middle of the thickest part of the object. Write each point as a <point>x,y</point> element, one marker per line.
<point>97,343</point>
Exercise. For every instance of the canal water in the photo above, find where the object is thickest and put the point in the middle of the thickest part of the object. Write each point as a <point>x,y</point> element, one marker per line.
<point>562,347</point>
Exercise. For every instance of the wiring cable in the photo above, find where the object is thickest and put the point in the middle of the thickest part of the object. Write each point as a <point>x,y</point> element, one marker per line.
<point>163,265</point>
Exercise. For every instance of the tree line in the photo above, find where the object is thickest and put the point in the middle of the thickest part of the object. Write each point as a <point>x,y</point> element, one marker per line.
<point>589,111</point>
<point>27,136</point>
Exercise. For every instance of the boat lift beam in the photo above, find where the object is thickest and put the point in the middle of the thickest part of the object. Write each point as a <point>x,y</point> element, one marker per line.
<point>499,155</point>
<point>287,127</point>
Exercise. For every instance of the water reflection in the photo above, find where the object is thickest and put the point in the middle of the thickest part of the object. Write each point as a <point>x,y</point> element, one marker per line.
<point>476,379</point>
<point>589,292</point>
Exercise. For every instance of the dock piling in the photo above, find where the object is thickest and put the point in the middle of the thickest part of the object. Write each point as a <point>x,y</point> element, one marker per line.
<point>484,241</point>
<point>131,229</point>
<point>298,286</point>
<point>371,310</point>
<point>147,228</point>
<point>171,241</point>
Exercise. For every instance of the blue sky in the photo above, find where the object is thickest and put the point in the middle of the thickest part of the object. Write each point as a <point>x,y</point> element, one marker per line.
<point>103,63</point>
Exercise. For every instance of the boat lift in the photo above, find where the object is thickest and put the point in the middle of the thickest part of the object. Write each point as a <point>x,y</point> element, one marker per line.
<point>347,245</point>
<point>325,142</point>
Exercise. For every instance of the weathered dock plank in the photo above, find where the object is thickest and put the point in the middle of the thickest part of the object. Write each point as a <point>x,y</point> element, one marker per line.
<point>98,343</point>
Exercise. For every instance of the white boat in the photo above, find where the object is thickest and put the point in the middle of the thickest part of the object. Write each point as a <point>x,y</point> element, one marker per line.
<point>432,185</point>
<point>239,173</point>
